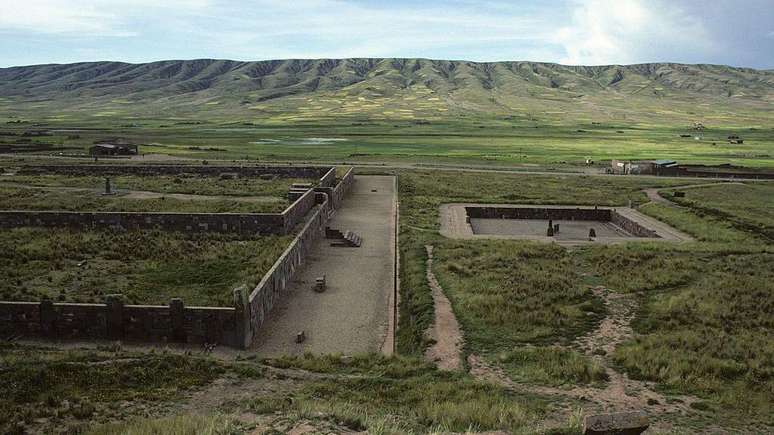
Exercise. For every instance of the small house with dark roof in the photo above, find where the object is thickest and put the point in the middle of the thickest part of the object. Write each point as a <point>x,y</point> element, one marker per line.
<point>113,149</point>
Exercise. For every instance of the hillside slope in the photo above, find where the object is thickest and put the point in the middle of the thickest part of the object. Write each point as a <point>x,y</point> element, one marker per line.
<point>389,88</point>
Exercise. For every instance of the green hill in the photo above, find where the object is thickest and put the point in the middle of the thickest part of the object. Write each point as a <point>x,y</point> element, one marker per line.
<point>298,90</point>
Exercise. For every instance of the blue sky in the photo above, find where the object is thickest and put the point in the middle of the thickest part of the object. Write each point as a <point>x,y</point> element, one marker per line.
<point>587,32</point>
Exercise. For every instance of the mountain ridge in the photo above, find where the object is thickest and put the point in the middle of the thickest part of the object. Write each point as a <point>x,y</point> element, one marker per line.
<point>379,86</point>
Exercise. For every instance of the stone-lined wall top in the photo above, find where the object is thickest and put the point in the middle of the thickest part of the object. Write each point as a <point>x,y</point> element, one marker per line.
<point>329,179</point>
<point>337,194</point>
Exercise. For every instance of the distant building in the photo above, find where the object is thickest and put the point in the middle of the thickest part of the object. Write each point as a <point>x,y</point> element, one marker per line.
<point>113,149</point>
<point>643,167</point>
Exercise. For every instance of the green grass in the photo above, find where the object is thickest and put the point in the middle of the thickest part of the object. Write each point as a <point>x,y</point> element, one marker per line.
<point>88,386</point>
<point>176,425</point>
<point>702,227</point>
<point>402,395</point>
<point>111,390</point>
<point>185,183</point>
<point>421,194</point>
<point>20,198</point>
<point>703,327</point>
<point>499,141</point>
<point>748,207</point>
<point>145,266</point>
<point>551,366</point>
<point>505,293</point>
<point>711,337</point>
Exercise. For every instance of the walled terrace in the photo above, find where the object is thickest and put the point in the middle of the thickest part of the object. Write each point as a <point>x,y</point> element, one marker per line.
<point>235,325</point>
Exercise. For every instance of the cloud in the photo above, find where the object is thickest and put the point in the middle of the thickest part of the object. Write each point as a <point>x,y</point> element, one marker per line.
<point>566,31</point>
<point>334,28</point>
<point>629,31</point>
<point>84,18</point>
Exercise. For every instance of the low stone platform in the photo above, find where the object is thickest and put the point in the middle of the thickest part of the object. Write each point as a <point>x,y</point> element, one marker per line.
<point>530,222</point>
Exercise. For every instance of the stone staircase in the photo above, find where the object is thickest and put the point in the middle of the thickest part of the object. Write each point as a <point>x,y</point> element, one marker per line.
<point>347,239</point>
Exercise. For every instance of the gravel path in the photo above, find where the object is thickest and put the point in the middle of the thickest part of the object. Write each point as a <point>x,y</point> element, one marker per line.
<point>352,315</point>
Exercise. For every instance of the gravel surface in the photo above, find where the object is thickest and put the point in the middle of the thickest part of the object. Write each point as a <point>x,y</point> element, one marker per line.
<point>352,315</point>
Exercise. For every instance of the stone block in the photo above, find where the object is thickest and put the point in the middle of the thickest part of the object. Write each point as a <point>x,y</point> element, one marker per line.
<point>620,423</point>
<point>115,317</point>
<point>177,319</point>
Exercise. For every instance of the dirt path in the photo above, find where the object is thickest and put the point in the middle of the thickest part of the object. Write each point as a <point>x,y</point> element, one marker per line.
<point>654,196</point>
<point>620,392</point>
<point>353,314</point>
<point>446,353</point>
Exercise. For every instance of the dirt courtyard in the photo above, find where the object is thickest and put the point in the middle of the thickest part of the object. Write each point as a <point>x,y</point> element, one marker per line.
<point>353,315</point>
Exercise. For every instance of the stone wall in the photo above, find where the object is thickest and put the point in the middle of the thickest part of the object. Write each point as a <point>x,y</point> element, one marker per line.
<point>580,214</point>
<point>343,188</point>
<point>261,300</point>
<point>235,327</point>
<point>631,226</point>
<point>567,214</point>
<point>316,172</point>
<point>115,321</point>
<point>338,193</point>
<point>242,223</point>
<point>329,179</point>
<point>295,214</point>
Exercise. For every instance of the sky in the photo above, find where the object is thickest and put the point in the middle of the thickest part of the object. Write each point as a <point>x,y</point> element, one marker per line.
<point>575,32</point>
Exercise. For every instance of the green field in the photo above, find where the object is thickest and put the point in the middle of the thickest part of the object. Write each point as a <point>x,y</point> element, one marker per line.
<point>701,328</point>
<point>147,267</point>
<point>394,110</point>
<point>748,206</point>
<point>502,142</point>
<point>184,194</point>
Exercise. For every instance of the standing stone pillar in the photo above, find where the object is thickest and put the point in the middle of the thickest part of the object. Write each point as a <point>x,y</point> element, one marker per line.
<point>47,319</point>
<point>177,320</point>
<point>115,316</point>
<point>243,336</point>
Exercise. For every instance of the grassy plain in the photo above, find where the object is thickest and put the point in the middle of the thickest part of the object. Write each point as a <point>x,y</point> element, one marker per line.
<point>748,206</point>
<point>185,194</point>
<point>702,327</point>
<point>183,184</point>
<point>147,267</point>
<point>23,198</point>
<point>504,141</point>
<point>110,389</point>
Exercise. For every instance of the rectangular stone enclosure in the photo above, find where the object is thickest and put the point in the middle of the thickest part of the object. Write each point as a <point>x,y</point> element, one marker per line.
<point>560,224</point>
